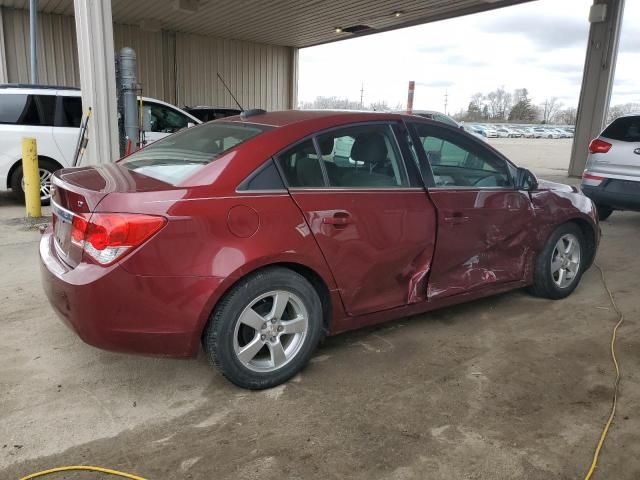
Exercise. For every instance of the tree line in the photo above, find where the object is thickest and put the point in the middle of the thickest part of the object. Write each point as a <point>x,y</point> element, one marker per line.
<point>517,107</point>
<point>500,105</point>
<point>340,103</point>
<point>496,106</point>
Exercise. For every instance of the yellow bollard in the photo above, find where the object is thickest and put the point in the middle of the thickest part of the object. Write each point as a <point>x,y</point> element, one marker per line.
<point>31,177</point>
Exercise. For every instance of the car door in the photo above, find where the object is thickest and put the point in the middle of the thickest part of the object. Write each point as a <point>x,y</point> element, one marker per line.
<point>369,215</point>
<point>484,223</point>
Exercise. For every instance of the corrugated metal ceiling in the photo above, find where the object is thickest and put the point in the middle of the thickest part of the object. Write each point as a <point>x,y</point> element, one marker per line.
<point>281,22</point>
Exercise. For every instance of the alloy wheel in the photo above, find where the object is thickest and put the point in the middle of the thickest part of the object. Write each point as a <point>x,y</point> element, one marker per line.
<point>565,260</point>
<point>270,331</point>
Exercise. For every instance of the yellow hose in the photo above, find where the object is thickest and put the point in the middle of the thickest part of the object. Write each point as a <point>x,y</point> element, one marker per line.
<point>616,384</point>
<point>82,467</point>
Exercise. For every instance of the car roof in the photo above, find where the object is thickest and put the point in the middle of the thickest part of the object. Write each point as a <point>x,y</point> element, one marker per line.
<point>32,86</point>
<point>211,107</point>
<point>291,117</point>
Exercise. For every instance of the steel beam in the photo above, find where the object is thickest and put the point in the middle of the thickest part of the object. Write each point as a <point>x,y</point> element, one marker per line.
<point>96,60</point>
<point>597,81</point>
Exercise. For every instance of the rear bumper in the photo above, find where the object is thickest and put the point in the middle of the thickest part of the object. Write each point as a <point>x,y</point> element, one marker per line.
<point>112,309</point>
<point>618,194</point>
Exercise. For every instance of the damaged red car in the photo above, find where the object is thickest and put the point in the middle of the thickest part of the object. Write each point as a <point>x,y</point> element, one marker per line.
<point>257,235</point>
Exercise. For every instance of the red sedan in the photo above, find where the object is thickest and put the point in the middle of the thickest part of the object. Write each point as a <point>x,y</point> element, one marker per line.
<point>257,235</point>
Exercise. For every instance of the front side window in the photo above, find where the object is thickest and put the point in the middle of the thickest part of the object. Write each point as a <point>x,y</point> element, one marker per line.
<point>364,156</point>
<point>174,158</point>
<point>456,163</point>
<point>163,119</point>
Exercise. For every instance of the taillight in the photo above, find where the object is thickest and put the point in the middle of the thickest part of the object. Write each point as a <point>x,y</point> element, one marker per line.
<point>591,180</point>
<point>106,237</point>
<point>599,146</point>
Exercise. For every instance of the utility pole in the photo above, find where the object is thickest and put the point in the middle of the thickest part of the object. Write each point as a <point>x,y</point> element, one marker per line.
<point>412,87</point>
<point>446,101</point>
<point>362,95</point>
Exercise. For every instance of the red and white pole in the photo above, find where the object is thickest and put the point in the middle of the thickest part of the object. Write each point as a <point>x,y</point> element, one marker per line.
<point>412,87</point>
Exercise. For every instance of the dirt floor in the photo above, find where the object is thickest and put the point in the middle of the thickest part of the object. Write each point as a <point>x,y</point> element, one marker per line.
<point>503,388</point>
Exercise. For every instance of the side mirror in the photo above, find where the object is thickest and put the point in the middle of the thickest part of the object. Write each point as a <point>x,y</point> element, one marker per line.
<point>190,124</point>
<point>526,180</point>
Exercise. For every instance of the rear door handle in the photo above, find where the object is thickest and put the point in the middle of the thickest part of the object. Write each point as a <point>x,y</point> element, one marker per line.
<point>338,219</point>
<point>456,219</point>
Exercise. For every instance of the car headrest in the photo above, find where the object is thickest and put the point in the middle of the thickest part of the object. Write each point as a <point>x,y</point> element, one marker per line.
<point>369,148</point>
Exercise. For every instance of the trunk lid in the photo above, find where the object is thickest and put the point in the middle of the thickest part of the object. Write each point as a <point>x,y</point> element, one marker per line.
<point>76,195</point>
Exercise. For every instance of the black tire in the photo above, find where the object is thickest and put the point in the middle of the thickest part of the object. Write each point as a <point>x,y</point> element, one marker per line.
<point>604,212</point>
<point>16,179</point>
<point>544,284</point>
<point>218,337</point>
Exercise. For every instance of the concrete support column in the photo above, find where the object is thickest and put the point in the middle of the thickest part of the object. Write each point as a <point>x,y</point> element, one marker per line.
<point>293,79</point>
<point>94,31</point>
<point>4,76</point>
<point>599,69</point>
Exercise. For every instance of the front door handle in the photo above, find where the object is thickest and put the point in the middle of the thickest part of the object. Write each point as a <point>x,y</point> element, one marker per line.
<point>338,219</point>
<point>456,219</point>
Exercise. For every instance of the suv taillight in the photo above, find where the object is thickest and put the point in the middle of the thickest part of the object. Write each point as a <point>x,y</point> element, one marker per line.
<point>599,146</point>
<point>106,237</point>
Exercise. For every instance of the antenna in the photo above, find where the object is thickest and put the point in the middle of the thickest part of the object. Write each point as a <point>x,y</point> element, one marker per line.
<point>230,92</point>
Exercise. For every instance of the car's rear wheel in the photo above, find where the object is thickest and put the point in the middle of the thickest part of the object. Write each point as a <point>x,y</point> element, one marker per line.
<point>45,169</point>
<point>265,329</point>
<point>560,265</point>
<point>604,212</point>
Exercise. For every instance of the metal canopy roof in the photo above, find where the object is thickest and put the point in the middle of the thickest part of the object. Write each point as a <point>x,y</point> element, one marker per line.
<point>297,23</point>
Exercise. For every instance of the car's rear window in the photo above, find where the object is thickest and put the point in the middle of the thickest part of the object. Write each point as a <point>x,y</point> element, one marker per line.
<point>178,156</point>
<point>626,129</point>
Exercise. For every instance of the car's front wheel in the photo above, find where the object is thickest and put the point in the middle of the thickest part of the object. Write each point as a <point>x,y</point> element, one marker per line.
<point>265,329</point>
<point>560,265</point>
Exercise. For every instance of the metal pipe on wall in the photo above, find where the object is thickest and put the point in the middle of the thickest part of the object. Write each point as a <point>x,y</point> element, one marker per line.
<point>128,88</point>
<point>33,39</point>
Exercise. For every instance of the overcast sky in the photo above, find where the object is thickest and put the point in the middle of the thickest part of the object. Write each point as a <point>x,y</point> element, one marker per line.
<point>540,46</point>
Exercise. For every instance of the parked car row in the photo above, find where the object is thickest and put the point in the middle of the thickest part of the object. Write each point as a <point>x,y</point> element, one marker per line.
<point>520,131</point>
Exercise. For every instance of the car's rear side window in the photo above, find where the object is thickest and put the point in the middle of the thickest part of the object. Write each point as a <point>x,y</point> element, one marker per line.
<point>301,166</point>
<point>174,158</point>
<point>363,156</point>
<point>25,109</point>
<point>626,129</point>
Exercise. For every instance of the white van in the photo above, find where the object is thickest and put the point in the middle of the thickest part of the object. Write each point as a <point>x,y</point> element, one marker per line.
<point>52,116</point>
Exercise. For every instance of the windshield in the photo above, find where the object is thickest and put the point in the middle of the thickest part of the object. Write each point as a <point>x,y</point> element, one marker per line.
<point>176,157</point>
